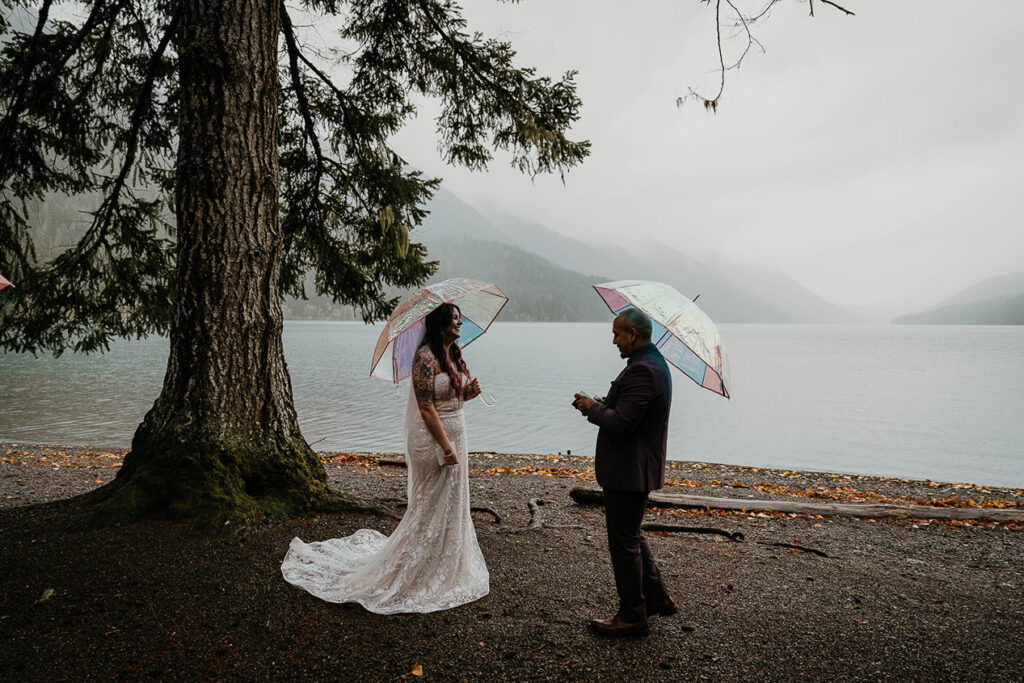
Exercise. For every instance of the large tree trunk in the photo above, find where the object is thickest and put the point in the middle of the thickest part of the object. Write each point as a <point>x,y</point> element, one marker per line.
<point>222,441</point>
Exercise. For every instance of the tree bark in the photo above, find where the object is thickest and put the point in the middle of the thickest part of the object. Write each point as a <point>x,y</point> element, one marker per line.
<point>222,441</point>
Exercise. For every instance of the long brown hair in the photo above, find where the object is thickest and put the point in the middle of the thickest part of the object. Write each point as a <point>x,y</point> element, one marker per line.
<point>436,323</point>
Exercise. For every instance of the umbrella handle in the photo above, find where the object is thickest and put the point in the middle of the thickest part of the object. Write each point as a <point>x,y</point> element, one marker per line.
<point>491,403</point>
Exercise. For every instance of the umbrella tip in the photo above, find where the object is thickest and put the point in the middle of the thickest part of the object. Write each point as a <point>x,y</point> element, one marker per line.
<point>696,297</point>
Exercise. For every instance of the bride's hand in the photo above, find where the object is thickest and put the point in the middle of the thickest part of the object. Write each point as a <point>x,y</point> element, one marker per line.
<point>473,389</point>
<point>450,458</point>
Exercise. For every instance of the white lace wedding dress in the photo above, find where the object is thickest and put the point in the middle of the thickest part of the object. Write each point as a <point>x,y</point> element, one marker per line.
<point>432,560</point>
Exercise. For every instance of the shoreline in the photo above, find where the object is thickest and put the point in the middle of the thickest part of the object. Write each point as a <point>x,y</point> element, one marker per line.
<point>8,444</point>
<point>689,477</point>
<point>785,596</point>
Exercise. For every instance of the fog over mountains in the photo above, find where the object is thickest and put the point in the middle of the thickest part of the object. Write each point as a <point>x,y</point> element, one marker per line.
<point>537,263</point>
<point>534,263</point>
<point>548,276</point>
<point>996,301</point>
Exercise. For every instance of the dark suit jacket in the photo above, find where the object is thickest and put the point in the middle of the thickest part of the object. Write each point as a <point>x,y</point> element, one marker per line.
<point>633,421</point>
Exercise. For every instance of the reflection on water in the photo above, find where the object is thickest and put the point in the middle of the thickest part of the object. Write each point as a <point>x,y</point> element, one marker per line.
<point>917,401</point>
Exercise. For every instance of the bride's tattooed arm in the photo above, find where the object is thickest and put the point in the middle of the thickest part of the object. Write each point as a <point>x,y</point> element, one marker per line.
<point>424,367</point>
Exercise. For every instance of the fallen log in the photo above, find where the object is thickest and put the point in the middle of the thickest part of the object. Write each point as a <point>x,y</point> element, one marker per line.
<point>870,510</point>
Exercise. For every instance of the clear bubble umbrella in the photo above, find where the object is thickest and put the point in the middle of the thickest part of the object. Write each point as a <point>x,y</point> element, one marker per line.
<point>480,303</point>
<point>684,334</point>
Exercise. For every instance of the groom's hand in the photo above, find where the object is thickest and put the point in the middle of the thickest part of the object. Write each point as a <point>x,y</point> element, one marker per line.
<point>583,403</point>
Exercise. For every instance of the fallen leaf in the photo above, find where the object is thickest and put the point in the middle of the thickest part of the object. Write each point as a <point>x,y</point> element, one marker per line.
<point>417,670</point>
<point>47,594</point>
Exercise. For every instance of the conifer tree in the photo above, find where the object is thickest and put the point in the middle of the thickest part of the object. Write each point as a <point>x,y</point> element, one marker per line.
<point>229,163</point>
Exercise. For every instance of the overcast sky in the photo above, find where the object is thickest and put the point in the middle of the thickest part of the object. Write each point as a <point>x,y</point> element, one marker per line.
<point>876,159</point>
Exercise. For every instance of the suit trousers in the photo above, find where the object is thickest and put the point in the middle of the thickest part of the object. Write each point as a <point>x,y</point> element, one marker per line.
<point>637,578</point>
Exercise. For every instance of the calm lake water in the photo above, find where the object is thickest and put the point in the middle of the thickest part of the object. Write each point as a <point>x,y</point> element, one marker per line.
<point>938,402</point>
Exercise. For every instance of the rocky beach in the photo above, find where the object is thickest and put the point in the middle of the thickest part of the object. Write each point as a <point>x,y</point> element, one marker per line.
<point>764,595</point>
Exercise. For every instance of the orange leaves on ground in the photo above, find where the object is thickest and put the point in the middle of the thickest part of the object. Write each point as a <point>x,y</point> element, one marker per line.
<point>417,670</point>
<point>558,472</point>
<point>957,502</point>
<point>979,524</point>
<point>61,458</point>
<point>846,494</point>
<point>347,457</point>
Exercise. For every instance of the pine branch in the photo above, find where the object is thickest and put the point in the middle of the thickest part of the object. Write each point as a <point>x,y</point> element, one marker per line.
<point>467,59</point>
<point>16,107</point>
<point>300,91</point>
<point>348,115</point>
<point>103,216</point>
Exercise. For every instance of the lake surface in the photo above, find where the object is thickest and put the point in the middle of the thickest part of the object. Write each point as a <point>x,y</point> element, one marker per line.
<point>938,402</point>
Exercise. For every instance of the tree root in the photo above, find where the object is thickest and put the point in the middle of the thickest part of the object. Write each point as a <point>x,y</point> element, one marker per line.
<point>735,536</point>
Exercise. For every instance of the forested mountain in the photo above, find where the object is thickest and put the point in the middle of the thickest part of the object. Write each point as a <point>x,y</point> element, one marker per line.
<point>538,290</point>
<point>996,301</point>
<point>729,292</point>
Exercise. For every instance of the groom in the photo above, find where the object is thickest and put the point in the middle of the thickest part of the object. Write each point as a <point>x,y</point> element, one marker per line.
<point>630,463</point>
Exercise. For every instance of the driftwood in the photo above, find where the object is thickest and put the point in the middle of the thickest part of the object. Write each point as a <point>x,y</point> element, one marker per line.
<point>870,510</point>
<point>535,521</point>
<point>392,462</point>
<point>497,518</point>
<point>736,536</point>
<point>793,546</point>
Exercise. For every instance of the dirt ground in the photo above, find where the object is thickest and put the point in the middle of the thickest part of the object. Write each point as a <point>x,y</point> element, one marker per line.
<point>905,599</point>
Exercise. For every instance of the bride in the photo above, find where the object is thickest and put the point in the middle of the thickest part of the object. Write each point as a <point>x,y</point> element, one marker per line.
<point>432,560</point>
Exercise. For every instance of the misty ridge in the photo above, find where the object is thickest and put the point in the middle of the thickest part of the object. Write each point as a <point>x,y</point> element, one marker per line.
<point>549,276</point>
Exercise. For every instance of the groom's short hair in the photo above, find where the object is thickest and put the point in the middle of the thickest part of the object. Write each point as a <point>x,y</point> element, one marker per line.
<point>638,321</point>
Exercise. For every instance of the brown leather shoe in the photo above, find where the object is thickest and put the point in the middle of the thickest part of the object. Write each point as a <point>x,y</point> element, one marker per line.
<point>613,626</point>
<point>664,608</point>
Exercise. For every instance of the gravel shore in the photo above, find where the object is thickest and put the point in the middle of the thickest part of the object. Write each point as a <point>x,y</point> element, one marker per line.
<point>890,599</point>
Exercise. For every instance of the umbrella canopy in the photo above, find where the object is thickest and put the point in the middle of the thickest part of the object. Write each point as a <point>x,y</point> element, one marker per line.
<point>4,282</point>
<point>684,334</point>
<point>480,303</point>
